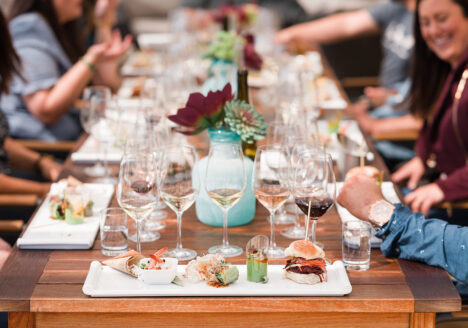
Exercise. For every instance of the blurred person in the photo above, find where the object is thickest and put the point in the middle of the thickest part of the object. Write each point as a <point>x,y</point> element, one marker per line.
<point>199,12</point>
<point>394,20</point>
<point>408,235</point>
<point>439,97</point>
<point>55,67</point>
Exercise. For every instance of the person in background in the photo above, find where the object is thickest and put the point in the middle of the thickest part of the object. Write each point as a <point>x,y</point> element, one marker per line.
<point>198,11</point>
<point>439,96</point>
<point>394,20</point>
<point>408,235</point>
<point>56,68</point>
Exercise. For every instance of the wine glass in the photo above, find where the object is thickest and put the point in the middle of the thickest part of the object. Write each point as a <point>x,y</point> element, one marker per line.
<point>314,187</point>
<point>136,192</point>
<point>179,187</point>
<point>89,117</point>
<point>225,183</point>
<point>270,186</point>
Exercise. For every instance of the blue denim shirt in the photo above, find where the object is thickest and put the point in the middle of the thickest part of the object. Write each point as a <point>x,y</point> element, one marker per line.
<point>43,63</point>
<point>411,236</point>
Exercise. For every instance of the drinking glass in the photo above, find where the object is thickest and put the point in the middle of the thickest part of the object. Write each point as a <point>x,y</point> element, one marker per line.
<point>179,187</point>
<point>114,231</point>
<point>225,183</point>
<point>270,186</point>
<point>356,245</point>
<point>89,117</point>
<point>314,187</point>
<point>136,192</point>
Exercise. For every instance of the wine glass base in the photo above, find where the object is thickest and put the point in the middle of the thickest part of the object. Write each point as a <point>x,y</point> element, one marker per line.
<point>146,237</point>
<point>155,225</point>
<point>293,233</point>
<point>95,171</point>
<point>182,254</point>
<point>230,251</point>
<point>284,218</point>
<point>276,253</point>
<point>157,215</point>
<point>319,244</point>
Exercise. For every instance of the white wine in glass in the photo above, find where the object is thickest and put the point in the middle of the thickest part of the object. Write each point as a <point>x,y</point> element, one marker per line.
<point>136,191</point>
<point>179,188</point>
<point>225,183</point>
<point>270,186</point>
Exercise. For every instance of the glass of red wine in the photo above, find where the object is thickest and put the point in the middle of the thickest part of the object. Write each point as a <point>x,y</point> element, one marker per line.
<point>136,191</point>
<point>314,188</point>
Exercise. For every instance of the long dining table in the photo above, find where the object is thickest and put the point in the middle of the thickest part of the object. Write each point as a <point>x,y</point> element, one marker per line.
<point>43,288</point>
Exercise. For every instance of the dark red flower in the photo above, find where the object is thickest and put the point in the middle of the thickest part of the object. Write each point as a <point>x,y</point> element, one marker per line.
<point>202,112</point>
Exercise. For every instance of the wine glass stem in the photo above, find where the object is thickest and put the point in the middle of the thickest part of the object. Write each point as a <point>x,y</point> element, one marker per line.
<point>225,229</point>
<point>297,224</point>
<point>104,158</point>
<point>99,149</point>
<point>272,230</point>
<point>138,243</point>
<point>312,230</point>
<point>179,230</point>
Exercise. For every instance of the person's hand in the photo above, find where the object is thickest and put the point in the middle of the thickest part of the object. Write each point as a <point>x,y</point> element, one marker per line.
<point>358,194</point>
<point>422,199</point>
<point>366,122</point>
<point>378,95</point>
<point>111,50</point>
<point>413,171</point>
<point>50,169</point>
<point>357,108</point>
<point>105,12</point>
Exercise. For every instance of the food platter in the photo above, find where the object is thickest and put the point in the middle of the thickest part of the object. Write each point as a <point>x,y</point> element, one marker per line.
<point>103,281</point>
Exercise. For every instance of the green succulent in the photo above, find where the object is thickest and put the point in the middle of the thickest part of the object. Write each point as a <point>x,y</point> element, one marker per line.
<point>244,119</point>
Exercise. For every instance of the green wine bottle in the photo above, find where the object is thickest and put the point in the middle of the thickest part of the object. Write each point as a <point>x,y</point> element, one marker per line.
<point>250,149</point>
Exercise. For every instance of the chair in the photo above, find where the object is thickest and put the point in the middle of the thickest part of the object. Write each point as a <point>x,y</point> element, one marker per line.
<point>15,226</point>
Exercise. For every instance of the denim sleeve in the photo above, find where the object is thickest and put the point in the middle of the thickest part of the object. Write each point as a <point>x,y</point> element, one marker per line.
<point>411,236</point>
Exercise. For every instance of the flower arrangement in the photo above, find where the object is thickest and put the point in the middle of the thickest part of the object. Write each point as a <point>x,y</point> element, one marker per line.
<point>245,15</point>
<point>224,48</point>
<point>219,110</point>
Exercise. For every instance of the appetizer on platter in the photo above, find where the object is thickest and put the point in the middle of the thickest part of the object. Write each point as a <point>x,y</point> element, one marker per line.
<point>306,264</point>
<point>212,268</point>
<point>257,259</point>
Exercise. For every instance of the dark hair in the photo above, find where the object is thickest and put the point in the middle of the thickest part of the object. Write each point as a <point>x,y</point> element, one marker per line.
<point>68,34</point>
<point>9,62</point>
<point>428,72</point>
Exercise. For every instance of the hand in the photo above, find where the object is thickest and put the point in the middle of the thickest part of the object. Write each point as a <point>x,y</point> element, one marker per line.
<point>50,169</point>
<point>110,50</point>
<point>422,199</point>
<point>366,122</point>
<point>105,12</point>
<point>413,171</point>
<point>359,107</point>
<point>358,194</point>
<point>378,95</point>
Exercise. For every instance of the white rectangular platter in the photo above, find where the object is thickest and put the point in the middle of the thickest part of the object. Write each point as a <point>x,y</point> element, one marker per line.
<point>89,153</point>
<point>46,233</point>
<point>103,281</point>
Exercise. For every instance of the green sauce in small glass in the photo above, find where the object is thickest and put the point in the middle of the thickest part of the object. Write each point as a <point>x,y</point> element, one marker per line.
<point>257,266</point>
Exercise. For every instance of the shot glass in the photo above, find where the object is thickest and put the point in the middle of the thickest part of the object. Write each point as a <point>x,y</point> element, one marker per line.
<point>356,245</point>
<point>114,231</point>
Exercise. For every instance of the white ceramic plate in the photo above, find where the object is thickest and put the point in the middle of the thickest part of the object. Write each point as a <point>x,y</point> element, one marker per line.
<point>46,233</point>
<point>103,281</point>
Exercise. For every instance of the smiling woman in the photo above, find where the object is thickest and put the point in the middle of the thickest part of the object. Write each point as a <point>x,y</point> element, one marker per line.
<point>438,95</point>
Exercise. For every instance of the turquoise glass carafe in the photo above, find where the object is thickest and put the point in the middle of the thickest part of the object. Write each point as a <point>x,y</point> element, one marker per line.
<point>207,211</point>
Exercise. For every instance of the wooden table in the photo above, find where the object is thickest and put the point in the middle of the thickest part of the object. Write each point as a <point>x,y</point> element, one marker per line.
<point>43,288</point>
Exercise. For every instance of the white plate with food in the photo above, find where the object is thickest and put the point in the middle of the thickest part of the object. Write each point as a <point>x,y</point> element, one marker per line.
<point>48,232</point>
<point>211,275</point>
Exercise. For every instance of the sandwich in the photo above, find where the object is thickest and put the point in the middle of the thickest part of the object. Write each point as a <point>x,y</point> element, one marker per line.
<point>368,170</point>
<point>306,264</point>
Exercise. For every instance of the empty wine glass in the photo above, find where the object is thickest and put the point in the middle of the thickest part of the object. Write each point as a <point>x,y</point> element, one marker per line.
<point>314,187</point>
<point>179,188</point>
<point>225,184</point>
<point>89,117</point>
<point>270,186</point>
<point>136,192</point>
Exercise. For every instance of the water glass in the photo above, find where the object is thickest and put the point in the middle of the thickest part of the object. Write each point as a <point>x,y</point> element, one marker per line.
<point>356,245</point>
<point>114,231</point>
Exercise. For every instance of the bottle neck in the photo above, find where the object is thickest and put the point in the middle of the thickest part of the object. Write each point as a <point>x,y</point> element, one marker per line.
<point>242,86</point>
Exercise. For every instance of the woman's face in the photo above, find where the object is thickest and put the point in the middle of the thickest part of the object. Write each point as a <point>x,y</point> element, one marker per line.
<point>68,10</point>
<point>444,28</point>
